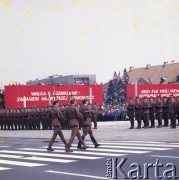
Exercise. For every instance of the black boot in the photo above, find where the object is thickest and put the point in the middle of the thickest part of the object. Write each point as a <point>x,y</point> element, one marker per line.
<point>94,142</point>
<point>50,147</point>
<point>79,144</point>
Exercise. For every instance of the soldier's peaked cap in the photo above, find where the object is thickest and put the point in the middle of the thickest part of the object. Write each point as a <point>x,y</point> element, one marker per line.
<point>72,99</point>
<point>84,100</point>
<point>55,102</point>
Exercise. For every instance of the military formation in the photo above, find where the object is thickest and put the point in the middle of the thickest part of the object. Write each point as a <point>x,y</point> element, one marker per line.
<point>147,110</point>
<point>25,119</point>
<point>73,114</point>
<point>37,118</point>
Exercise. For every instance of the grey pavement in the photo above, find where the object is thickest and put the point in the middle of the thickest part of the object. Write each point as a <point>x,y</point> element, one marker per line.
<point>110,130</point>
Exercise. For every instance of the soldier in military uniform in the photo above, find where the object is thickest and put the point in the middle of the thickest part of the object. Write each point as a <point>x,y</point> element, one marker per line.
<point>95,115</point>
<point>26,118</point>
<point>165,111</point>
<point>49,120</point>
<point>63,123</point>
<point>172,109</point>
<point>73,114</point>
<point>29,119</point>
<point>2,113</point>
<point>177,104</point>
<point>158,108</point>
<point>56,116</point>
<point>151,112</point>
<point>44,118</point>
<point>145,108</point>
<point>138,112</point>
<point>130,112</point>
<point>33,118</point>
<point>86,112</point>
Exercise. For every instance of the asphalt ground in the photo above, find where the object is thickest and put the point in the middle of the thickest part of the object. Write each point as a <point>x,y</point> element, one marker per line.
<point>22,148</point>
<point>110,130</point>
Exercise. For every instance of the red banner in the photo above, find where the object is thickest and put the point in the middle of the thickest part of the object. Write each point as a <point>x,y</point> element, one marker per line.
<point>43,95</point>
<point>153,90</point>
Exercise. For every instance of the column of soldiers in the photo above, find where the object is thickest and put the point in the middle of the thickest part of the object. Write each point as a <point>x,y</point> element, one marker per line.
<point>25,119</point>
<point>74,116</point>
<point>147,110</point>
<point>37,118</point>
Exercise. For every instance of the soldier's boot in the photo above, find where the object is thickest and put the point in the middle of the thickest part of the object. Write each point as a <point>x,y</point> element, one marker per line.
<point>94,142</point>
<point>50,147</point>
<point>79,144</point>
<point>67,148</point>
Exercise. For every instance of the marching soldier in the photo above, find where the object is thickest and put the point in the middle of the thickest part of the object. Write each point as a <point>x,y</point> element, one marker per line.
<point>130,112</point>
<point>159,105</point>
<point>79,119</point>
<point>172,108</point>
<point>138,112</point>
<point>57,117</point>
<point>86,112</point>
<point>72,114</point>
<point>151,112</point>
<point>165,111</point>
<point>145,108</point>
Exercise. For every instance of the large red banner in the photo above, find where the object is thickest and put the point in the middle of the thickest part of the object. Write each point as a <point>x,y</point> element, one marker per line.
<point>43,95</point>
<point>153,90</point>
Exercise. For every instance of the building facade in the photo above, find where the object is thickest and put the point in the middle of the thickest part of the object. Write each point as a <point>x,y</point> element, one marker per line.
<point>69,79</point>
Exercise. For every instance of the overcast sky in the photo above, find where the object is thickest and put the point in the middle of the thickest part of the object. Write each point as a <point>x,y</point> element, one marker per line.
<point>39,38</point>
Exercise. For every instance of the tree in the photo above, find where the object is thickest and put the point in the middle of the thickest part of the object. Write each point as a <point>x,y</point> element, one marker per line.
<point>116,93</point>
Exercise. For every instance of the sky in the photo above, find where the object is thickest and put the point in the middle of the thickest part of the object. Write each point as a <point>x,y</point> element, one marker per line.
<point>39,38</point>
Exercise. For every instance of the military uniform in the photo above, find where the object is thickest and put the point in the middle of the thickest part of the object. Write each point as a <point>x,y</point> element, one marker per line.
<point>86,112</point>
<point>172,109</point>
<point>56,116</point>
<point>138,112</point>
<point>158,108</point>
<point>151,112</point>
<point>165,112</point>
<point>63,123</point>
<point>177,104</point>
<point>145,108</point>
<point>72,114</point>
<point>95,115</point>
<point>130,112</point>
<point>2,113</point>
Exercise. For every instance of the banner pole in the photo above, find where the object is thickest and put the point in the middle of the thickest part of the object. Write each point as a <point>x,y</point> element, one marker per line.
<point>90,95</point>
<point>24,102</point>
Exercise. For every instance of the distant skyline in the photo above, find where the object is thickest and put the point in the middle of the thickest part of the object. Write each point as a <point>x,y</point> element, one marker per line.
<point>46,37</point>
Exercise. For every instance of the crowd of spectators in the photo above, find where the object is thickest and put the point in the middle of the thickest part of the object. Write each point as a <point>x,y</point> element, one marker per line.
<point>113,113</point>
